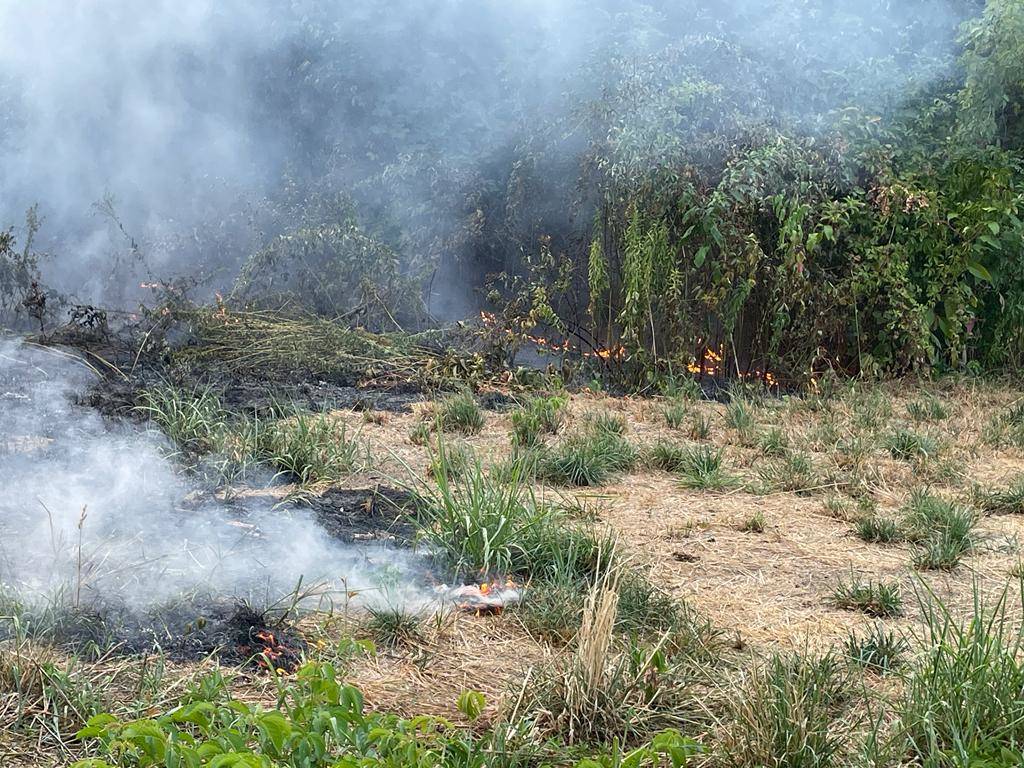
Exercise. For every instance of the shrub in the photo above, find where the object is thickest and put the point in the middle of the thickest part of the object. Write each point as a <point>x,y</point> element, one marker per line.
<point>878,599</point>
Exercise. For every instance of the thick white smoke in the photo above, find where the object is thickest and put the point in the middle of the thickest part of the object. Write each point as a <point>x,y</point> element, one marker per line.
<point>96,512</point>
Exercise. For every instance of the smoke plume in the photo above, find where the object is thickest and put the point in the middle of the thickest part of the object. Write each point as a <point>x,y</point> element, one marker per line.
<point>94,513</point>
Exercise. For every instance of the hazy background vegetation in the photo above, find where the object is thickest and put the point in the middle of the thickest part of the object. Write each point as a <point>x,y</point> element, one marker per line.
<point>809,184</point>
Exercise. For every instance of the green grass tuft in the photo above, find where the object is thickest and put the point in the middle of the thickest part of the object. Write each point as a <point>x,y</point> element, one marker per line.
<point>911,446</point>
<point>877,599</point>
<point>703,468</point>
<point>880,651</point>
<point>460,413</point>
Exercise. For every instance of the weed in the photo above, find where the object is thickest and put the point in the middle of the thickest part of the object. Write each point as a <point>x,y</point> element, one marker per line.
<point>910,446</point>
<point>311,448</point>
<point>700,427</point>
<point>786,714</point>
<point>703,468</point>
<point>192,420</point>
<point>394,626</point>
<point>773,443</point>
<point>929,408</point>
<point>880,651</point>
<point>675,413</point>
<point>792,472</point>
<point>1007,501</point>
<point>878,529</point>
<point>878,599</point>
<point>961,704</point>
<point>459,413</point>
<point>1017,570</point>
<point>756,523</point>
<point>539,416</point>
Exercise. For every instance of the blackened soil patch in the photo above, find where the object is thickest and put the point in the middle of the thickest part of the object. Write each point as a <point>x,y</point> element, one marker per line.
<point>378,514</point>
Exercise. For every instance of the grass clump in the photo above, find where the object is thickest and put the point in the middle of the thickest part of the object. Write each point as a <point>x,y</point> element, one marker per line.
<point>675,413</point>
<point>906,445</point>
<point>793,473</point>
<point>942,530</point>
<point>604,424</point>
<point>703,468</point>
<point>700,427</point>
<point>961,704</point>
<point>927,409</point>
<point>1006,501</point>
<point>756,523</point>
<point>478,523</point>
<point>192,419</point>
<point>394,626</point>
<point>667,456</point>
<point>591,457</point>
<point>877,599</point>
<point>739,415</point>
<point>878,529</point>
<point>773,443</point>
<point>880,651</point>
<point>311,448</point>
<point>539,416</point>
<point>786,714</point>
<point>459,413</point>
<point>607,689</point>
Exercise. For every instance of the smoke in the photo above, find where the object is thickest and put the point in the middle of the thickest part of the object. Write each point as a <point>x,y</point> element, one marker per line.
<point>209,126</point>
<point>96,513</point>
